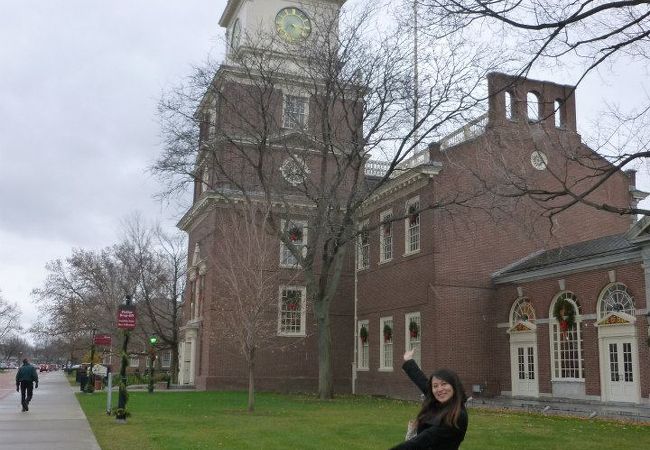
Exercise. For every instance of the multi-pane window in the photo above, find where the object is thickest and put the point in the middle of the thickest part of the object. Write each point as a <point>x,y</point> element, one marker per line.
<point>627,361</point>
<point>386,237</point>
<point>295,111</point>
<point>296,232</point>
<point>526,363</point>
<point>386,339</point>
<point>566,342</point>
<point>531,362</point>
<point>363,256</point>
<point>414,335</point>
<point>521,363</point>
<point>522,311</point>
<point>134,361</point>
<point>166,359</point>
<point>291,320</point>
<point>615,298</point>
<point>363,358</point>
<point>412,226</point>
<point>613,362</point>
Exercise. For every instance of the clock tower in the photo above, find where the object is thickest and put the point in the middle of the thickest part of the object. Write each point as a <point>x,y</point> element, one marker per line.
<point>268,136</point>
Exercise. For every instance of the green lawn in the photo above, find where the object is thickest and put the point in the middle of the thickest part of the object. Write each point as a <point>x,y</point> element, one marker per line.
<point>212,420</point>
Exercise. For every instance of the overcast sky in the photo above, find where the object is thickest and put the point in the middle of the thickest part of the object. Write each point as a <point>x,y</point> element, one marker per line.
<point>79,84</point>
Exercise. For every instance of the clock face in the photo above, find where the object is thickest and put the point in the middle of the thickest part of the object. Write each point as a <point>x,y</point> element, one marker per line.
<point>236,35</point>
<point>294,170</point>
<point>539,160</point>
<point>292,25</point>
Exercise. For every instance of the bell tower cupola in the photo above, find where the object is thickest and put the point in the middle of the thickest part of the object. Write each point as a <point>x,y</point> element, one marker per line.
<point>280,26</point>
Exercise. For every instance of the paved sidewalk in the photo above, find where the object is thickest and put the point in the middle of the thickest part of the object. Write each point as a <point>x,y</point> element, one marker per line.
<point>579,408</point>
<point>54,420</point>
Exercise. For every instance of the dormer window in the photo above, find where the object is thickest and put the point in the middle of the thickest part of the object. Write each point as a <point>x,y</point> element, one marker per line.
<point>295,112</point>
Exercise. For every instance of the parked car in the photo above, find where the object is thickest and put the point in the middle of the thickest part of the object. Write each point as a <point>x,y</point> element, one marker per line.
<point>42,368</point>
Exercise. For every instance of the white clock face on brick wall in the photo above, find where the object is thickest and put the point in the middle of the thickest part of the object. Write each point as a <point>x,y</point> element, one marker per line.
<point>294,170</point>
<point>539,160</point>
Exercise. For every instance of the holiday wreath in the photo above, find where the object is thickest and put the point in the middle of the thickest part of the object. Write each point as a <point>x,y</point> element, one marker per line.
<point>388,333</point>
<point>414,329</point>
<point>363,334</point>
<point>565,314</point>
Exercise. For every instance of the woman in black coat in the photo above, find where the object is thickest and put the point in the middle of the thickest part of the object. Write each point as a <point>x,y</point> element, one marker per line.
<point>442,421</point>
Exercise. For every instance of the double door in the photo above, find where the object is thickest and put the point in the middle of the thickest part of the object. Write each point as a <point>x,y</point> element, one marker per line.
<point>620,370</point>
<point>523,360</point>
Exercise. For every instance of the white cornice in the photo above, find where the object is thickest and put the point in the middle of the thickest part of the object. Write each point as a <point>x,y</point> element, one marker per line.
<point>406,182</point>
<point>229,10</point>
<point>230,197</point>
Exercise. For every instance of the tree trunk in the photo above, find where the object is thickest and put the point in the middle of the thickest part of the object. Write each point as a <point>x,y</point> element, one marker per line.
<point>173,369</point>
<point>325,385</point>
<point>251,384</point>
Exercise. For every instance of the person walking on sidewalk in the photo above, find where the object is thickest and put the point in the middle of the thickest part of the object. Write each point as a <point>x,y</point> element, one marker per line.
<point>26,381</point>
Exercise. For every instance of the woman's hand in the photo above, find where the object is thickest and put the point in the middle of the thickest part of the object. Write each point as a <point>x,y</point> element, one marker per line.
<point>409,354</point>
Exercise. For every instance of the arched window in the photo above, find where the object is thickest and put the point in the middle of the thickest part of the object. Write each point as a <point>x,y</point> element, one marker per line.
<point>508,105</point>
<point>522,311</point>
<point>557,114</point>
<point>567,358</point>
<point>532,100</point>
<point>615,298</point>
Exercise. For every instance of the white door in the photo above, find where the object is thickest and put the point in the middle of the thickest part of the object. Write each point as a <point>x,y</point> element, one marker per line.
<point>621,382</point>
<point>523,360</point>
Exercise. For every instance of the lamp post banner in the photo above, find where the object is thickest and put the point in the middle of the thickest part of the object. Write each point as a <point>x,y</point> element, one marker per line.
<point>126,317</point>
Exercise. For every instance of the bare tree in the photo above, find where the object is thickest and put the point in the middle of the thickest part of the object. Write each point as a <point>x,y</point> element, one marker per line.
<point>589,35</point>
<point>352,95</point>
<point>81,294</point>
<point>159,260</point>
<point>248,288</point>
<point>14,346</point>
<point>592,31</point>
<point>9,318</point>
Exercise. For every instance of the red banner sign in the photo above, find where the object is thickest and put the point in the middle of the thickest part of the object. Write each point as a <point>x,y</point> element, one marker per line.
<point>103,339</point>
<point>126,318</point>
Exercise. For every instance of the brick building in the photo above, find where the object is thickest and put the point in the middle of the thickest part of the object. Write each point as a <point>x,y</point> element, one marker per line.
<point>516,302</point>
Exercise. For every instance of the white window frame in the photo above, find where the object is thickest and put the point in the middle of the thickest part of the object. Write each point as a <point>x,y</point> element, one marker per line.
<point>608,291</point>
<point>288,122</point>
<point>385,240</point>
<point>412,231</point>
<point>363,250</point>
<point>413,342</point>
<point>285,254</point>
<point>166,359</point>
<point>556,340</point>
<point>303,311</point>
<point>386,349</point>
<point>133,359</point>
<point>363,349</point>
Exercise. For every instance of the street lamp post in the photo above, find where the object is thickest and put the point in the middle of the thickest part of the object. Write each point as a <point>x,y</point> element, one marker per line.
<point>120,414</point>
<point>152,357</point>
<point>90,383</point>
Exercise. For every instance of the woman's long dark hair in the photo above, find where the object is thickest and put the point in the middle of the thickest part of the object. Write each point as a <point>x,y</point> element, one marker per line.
<point>448,412</point>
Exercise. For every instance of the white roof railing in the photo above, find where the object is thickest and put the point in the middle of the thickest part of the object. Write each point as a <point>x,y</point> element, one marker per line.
<point>474,128</point>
